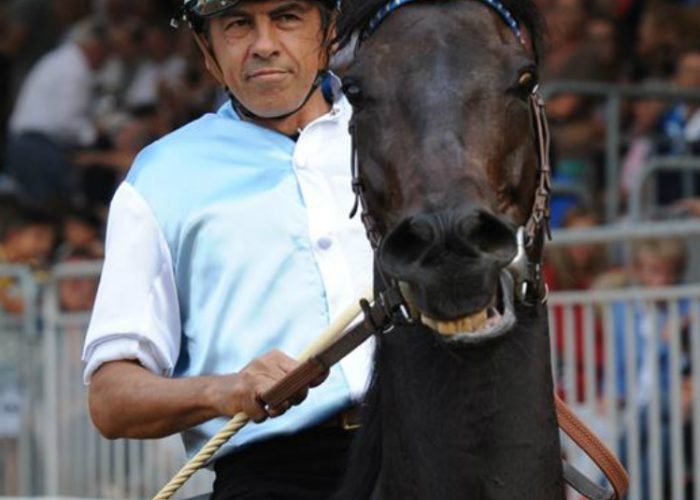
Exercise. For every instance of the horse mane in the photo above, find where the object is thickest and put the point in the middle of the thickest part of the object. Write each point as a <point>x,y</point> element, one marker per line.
<point>356,14</point>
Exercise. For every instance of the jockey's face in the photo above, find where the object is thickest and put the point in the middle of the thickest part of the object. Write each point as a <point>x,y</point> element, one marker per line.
<point>270,52</point>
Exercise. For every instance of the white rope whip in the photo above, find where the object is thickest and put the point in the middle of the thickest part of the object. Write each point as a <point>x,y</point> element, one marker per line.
<point>240,419</point>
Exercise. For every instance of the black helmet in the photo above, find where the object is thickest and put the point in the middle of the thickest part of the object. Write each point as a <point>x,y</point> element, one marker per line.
<point>210,8</point>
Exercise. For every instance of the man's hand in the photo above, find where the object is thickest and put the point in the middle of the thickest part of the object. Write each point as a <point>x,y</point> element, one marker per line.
<point>241,391</point>
<point>126,400</point>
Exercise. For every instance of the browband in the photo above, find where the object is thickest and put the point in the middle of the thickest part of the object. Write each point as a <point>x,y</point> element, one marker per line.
<point>395,4</point>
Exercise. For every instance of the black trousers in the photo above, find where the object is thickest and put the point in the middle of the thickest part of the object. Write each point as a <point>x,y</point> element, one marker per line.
<point>304,466</point>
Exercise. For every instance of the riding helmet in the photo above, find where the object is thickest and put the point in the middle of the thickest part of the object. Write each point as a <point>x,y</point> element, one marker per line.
<point>211,8</point>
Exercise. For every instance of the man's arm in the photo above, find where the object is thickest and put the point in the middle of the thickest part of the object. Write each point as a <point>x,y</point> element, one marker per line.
<point>128,401</point>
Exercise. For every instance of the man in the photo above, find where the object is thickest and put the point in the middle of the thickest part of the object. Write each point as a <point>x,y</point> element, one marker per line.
<point>228,245</point>
<point>53,114</point>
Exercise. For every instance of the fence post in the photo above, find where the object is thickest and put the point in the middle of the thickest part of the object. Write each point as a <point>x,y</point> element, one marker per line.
<point>30,321</point>
<point>612,151</point>
<point>50,422</point>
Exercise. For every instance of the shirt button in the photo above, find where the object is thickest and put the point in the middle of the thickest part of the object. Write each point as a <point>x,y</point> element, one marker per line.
<point>324,243</point>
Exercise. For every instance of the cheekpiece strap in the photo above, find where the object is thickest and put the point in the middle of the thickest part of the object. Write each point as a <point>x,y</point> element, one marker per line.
<point>395,4</point>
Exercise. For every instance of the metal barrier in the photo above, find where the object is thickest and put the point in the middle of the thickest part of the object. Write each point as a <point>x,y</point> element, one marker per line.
<point>595,338</point>
<point>688,165</point>
<point>603,338</point>
<point>614,95</point>
<point>619,238</point>
<point>19,339</point>
<point>60,452</point>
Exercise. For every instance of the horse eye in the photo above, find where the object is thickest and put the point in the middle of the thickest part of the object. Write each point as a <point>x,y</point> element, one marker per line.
<point>353,92</point>
<point>527,82</point>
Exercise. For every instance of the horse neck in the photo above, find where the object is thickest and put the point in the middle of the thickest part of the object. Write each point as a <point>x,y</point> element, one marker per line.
<point>476,419</point>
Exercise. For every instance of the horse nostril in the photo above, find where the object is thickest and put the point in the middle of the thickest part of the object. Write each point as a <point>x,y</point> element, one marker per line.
<point>420,231</point>
<point>487,234</point>
<point>408,243</point>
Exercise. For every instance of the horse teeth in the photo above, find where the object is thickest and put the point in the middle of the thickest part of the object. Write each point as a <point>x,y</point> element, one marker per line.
<point>466,324</point>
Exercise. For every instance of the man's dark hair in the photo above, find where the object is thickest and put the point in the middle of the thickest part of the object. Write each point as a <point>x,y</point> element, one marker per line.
<point>16,214</point>
<point>200,24</point>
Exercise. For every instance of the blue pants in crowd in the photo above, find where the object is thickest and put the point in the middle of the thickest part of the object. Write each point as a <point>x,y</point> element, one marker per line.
<point>40,167</point>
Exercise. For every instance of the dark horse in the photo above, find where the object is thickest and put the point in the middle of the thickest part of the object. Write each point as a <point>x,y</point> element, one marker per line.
<point>448,167</point>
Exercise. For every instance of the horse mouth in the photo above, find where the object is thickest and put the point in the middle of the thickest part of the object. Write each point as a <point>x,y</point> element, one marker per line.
<point>489,323</point>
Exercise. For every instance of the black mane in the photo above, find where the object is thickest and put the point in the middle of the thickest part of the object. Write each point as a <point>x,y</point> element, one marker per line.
<point>355,14</point>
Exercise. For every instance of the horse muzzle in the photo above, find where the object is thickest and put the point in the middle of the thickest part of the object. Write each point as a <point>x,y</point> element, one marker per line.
<point>487,324</point>
<point>520,280</point>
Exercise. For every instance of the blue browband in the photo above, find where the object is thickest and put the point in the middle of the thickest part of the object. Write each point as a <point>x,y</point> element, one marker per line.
<point>395,4</point>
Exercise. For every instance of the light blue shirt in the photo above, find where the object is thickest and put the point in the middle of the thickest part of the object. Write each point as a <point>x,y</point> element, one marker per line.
<point>254,268</point>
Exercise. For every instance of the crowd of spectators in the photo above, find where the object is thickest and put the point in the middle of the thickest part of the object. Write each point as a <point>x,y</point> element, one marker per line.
<point>91,82</point>
<point>87,84</point>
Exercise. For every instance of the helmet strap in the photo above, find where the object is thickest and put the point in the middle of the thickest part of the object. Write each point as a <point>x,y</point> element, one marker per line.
<point>243,111</point>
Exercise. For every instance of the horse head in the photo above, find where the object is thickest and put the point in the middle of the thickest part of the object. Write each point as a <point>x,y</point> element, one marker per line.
<point>447,157</point>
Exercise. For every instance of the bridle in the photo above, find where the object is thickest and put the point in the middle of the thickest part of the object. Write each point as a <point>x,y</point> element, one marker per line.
<point>526,266</point>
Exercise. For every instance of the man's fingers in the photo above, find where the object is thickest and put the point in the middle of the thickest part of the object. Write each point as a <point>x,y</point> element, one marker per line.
<point>256,411</point>
<point>278,410</point>
<point>299,397</point>
<point>281,361</point>
<point>320,379</point>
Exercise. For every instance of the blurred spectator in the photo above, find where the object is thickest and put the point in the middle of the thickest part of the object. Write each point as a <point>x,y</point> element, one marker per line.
<point>81,232</point>
<point>27,236</point>
<point>77,293</point>
<point>103,169</point>
<point>644,136</point>
<point>116,75</point>
<point>5,75</point>
<point>62,82</point>
<point>161,69</point>
<point>681,124</point>
<point>582,47</point>
<point>575,267</point>
<point>196,93</point>
<point>679,130</point>
<point>32,29</point>
<point>663,31</point>
<point>656,263</point>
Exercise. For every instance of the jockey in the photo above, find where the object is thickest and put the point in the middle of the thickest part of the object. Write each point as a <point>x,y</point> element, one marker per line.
<point>228,251</point>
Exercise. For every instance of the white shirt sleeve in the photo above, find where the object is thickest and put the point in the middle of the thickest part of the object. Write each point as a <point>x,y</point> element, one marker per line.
<point>136,313</point>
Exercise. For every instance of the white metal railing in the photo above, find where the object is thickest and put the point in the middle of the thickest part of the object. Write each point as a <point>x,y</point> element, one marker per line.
<point>590,352</point>
<point>64,455</point>
<point>602,337</point>
<point>17,337</point>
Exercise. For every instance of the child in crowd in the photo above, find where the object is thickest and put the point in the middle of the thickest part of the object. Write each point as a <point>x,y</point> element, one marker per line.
<point>27,237</point>
<point>77,293</point>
